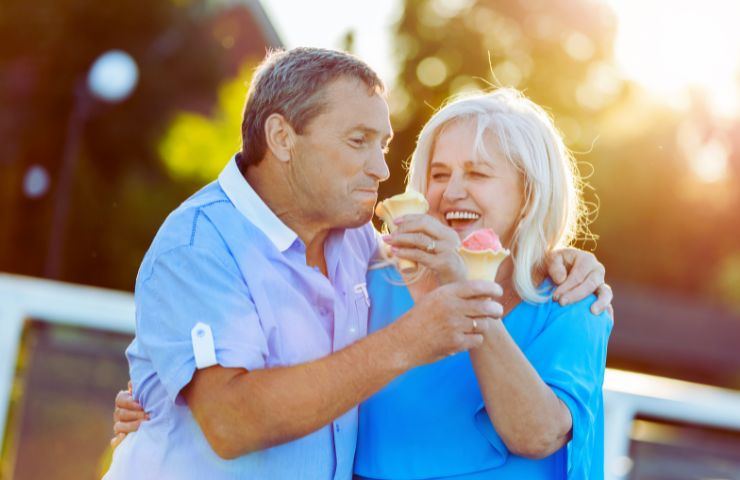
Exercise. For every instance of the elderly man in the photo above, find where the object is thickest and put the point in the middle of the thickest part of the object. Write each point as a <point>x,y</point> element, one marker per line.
<point>251,351</point>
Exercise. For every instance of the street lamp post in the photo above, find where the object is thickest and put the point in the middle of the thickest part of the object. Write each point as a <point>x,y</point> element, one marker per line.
<point>112,78</point>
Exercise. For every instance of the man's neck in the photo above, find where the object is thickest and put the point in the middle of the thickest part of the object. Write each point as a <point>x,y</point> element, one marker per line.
<point>279,198</point>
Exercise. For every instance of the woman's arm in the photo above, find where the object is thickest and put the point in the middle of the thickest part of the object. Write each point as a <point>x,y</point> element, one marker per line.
<point>530,419</point>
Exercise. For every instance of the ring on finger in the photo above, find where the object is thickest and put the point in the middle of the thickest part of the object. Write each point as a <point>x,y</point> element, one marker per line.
<point>475,325</point>
<point>431,246</point>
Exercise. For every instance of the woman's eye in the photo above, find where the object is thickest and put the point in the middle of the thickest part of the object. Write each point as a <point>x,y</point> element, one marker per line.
<point>358,142</point>
<point>440,176</point>
<point>477,174</point>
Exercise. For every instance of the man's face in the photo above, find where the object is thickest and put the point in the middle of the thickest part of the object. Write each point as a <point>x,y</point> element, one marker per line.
<point>339,159</point>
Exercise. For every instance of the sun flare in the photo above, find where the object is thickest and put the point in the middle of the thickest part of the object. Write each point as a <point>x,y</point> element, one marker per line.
<point>675,47</point>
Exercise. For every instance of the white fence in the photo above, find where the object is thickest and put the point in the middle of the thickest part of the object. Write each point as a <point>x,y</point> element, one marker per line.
<point>627,394</point>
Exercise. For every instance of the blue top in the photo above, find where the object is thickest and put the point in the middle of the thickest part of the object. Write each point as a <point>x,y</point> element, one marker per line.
<point>224,268</point>
<point>431,422</point>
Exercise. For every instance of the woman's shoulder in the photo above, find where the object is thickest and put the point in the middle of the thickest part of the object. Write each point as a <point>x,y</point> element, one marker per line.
<point>578,317</point>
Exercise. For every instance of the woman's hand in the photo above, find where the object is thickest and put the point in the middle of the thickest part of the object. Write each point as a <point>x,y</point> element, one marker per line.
<point>127,416</point>
<point>427,241</point>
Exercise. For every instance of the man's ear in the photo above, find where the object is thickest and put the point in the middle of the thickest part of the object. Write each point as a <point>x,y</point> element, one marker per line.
<point>280,137</point>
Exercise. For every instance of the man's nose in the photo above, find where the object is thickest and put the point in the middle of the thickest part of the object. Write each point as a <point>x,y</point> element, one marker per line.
<point>377,166</point>
<point>455,189</point>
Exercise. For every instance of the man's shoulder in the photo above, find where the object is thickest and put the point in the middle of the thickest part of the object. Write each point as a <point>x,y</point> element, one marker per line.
<point>188,226</point>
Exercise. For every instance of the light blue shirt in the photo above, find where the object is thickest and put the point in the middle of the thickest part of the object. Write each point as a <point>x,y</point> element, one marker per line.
<point>225,260</point>
<point>431,422</point>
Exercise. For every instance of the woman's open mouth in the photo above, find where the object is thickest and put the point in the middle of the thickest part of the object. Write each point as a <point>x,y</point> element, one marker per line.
<point>460,220</point>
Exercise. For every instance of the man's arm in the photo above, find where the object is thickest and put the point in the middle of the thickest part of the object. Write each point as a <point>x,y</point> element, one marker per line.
<point>241,412</point>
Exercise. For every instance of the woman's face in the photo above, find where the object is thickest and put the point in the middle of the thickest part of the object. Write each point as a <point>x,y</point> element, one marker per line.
<point>468,193</point>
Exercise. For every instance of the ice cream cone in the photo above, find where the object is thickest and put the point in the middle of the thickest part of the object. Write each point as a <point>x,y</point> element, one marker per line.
<point>482,254</point>
<point>482,264</point>
<point>407,203</point>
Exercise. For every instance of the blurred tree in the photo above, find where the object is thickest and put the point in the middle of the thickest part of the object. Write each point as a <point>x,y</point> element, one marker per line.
<point>121,191</point>
<point>657,225</point>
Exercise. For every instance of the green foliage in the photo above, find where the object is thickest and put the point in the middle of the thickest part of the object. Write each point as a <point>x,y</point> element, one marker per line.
<point>195,147</point>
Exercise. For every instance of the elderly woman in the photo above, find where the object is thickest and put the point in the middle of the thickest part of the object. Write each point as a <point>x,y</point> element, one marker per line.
<point>527,403</point>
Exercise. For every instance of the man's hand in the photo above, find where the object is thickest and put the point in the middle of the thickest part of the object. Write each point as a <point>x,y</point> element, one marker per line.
<point>448,320</point>
<point>127,415</point>
<point>579,274</point>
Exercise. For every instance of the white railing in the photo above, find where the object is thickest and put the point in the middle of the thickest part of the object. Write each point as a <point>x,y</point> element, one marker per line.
<point>626,394</point>
<point>22,298</point>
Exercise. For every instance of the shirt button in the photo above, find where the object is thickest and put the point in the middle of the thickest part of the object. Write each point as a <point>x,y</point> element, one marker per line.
<point>352,330</point>
<point>336,427</point>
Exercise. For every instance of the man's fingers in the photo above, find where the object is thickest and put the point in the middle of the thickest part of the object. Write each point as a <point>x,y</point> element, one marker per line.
<point>604,298</point>
<point>484,308</point>
<point>126,427</point>
<point>578,273</point>
<point>478,288</point>
<point>582,290</point>
<point>472,340</point>
<point>556,268</point>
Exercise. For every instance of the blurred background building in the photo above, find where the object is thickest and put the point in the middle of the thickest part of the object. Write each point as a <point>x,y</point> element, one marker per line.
<point>647,96</point>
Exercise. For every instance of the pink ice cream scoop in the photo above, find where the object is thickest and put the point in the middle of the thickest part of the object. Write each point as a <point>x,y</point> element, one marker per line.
<point>482,254</point>
<point>483,239</point>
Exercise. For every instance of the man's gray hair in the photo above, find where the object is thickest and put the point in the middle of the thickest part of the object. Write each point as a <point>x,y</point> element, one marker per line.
<point>291,83</point>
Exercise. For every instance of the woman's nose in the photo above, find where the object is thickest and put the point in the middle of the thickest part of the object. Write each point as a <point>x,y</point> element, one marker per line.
<point>455,189</point>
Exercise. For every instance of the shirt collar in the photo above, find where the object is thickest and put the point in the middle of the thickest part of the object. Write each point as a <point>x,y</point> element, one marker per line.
<point>246,200</point>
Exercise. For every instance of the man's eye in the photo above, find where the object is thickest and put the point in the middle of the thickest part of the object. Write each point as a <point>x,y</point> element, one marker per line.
<point>357,141</point>
<point>440,176</point>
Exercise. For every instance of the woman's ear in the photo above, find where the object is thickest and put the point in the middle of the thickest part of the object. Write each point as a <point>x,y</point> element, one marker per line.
<point>280,137</point>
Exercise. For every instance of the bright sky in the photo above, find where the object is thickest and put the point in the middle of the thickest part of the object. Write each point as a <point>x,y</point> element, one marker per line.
<point>669,46</point>
<point>323,23</point>
<point>665,45</point>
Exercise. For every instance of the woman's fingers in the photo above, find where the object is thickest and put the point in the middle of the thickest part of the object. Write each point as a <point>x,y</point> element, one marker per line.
<point>125,415</point>
<point>426,224</point>
<point>418,240</point>
<point>115,441</point>
<point>126,427</point>
<point>125,400</point>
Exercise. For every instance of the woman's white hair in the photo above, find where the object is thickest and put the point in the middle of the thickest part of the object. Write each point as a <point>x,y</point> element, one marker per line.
<point>527,137</point>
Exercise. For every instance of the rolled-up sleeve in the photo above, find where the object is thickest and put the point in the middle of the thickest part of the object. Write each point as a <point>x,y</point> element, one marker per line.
<point>570,357</point>
<point>188,285</point>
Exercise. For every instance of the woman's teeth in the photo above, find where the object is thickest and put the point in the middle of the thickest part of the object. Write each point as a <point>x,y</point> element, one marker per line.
<point>461,216</point>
